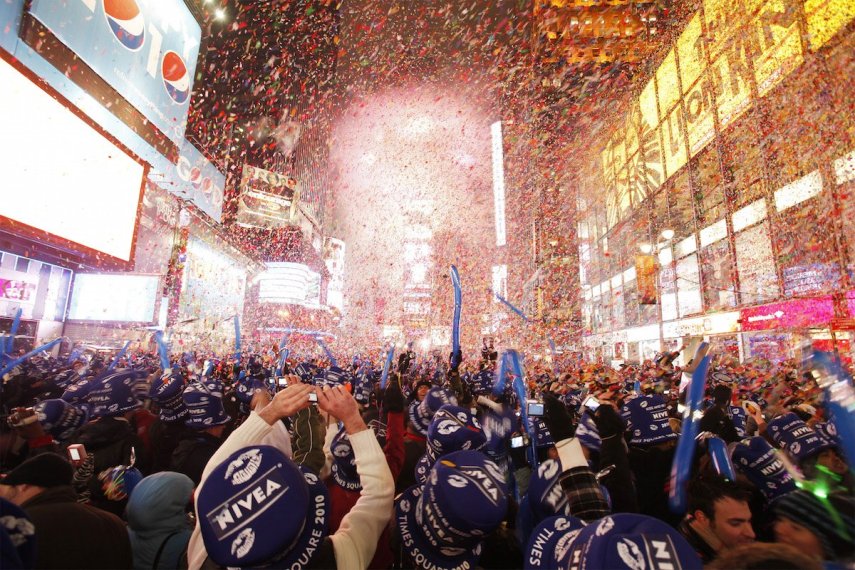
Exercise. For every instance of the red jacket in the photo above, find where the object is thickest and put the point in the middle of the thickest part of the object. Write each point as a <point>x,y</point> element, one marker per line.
<point>342,500</point>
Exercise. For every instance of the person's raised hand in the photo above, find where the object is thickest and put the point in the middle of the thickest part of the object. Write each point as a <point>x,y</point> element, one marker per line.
<point>287,402</point>
<point>339,403</point>
<point>393,398</point>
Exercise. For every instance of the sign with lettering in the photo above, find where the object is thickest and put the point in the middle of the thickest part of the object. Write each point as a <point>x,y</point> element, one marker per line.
<point>801,313</point>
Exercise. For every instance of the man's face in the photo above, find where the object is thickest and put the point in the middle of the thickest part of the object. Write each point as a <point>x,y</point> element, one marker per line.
<point>421,392</point>
<point>732,522</point>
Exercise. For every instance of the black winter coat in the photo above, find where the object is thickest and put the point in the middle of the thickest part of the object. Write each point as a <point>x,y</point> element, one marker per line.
<point>75,535</point>
<point>193,452</point>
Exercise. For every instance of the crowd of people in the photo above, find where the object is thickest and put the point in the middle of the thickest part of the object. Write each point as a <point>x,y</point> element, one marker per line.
<point>263,461</point>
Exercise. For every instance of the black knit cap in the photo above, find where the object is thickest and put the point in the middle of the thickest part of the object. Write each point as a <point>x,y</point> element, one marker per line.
<point>807,510</point>
<point>44,470</point>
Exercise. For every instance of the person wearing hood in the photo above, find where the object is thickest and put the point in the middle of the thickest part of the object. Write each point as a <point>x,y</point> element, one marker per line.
<point>157,520</point>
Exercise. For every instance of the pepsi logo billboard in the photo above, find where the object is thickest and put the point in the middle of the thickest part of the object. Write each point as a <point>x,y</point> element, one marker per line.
<point>145,49</point>
<point>126,21</point>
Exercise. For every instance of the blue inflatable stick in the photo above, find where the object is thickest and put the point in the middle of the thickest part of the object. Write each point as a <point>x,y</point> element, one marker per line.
<point>24,358</point>
<point>237,337</point>
<point>682,465</point>
<point>162,351</point>
<point>326,350</point>
<point>501,379</point>
<point>839,399</point>
<point>721,458</point>
<point>455,324</point>
<point>388,365</point>
<point>119,356</point>
<point>511,307</point>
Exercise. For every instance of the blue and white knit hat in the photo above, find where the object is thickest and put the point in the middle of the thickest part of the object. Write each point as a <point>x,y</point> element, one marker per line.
<point>113,394</point>
<point>343,467</point>
<point>443,523</point>
<point>739,418</point>
<point>790,433</point>
<point>258,508</point>
<point>61,419</point>
<point>452,429</point>
<point>631,542</point>
<point>757,459</point>
<point>647,420</point>
<point>544,498</point>
<point>540,433</point>
<point>550,541</point>
<point>587,433</point>
<point>421,413</point>
<point>17,537</point>
<point>204,402</point>
<point>167,391</point>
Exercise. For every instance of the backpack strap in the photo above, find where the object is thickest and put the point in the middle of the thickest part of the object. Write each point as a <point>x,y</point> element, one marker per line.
<point>160,550</point>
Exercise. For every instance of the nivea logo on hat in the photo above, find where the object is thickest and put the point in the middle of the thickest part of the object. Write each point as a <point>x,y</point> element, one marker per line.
<point>257,508</point>
<point>800,441</point>
<point>442,524</point>
<point>244,467</point>
<point>113,394</point>
<point>758,461</point>
<point>647,418</point>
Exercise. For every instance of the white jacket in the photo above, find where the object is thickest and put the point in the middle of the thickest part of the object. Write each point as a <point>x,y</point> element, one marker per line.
<point>356,539</point>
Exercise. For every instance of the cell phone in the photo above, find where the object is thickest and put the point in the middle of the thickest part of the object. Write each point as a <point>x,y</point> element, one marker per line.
<point>517,441</point>
<point>313,397</point>
<point>76,453</point>
<point>535,409</point>
<point>282,382</point>
<point>592,403</point>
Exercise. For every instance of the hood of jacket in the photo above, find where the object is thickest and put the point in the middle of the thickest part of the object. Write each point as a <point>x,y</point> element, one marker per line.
<point>158,503</point>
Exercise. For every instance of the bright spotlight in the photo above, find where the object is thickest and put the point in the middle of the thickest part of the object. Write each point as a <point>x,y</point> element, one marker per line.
<point>667,234</point>
<point>219,14</point>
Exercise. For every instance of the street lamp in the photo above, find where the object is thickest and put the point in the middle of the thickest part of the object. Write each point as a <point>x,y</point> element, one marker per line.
<point>646,248</point>
<point>667,235</point>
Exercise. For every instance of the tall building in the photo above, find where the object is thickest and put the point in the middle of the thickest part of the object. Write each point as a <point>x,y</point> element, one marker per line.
<point>731,164</point>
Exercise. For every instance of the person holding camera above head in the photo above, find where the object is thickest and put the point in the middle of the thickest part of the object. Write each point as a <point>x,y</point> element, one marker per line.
<point>256,507</point>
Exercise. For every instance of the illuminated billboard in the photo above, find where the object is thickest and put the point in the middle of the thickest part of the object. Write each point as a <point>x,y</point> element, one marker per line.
<point>115,297</point>
<point>290,284</point>
<point>61,175</point>
<point>145,49</point>
<point>268,199</point>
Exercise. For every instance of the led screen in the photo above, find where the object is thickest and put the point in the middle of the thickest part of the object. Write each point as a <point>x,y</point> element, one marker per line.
<point>62,176</point>
<point>121,297</point>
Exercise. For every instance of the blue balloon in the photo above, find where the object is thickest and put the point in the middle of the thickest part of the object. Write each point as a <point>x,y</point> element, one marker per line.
<point>455,324</point>
<point>387,366</point>
<point>682,465</point>
<point>119,356</point>
<point>18,361</point>
<point>237,336</point>
<point>721,458</point>
<point>162,350</point>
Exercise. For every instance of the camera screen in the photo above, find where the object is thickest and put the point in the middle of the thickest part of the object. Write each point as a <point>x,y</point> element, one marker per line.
<point>313,397</point>
<point>74,453</point>
<point>535,409</point>
<point>517,441</point>
<point>592,403</point>
<point>283,382</point>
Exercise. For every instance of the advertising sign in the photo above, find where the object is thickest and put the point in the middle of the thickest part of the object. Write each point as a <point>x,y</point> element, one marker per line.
<point>801,313</point>
<point>75,184</point>
<point>809,279</point>
<point>116,297</point>
<point>18,287</point>
<point>192,177</point>
<point>290,284</point>
<point>645,274</point>
<point>268,199</point>
<point>145,49</point>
